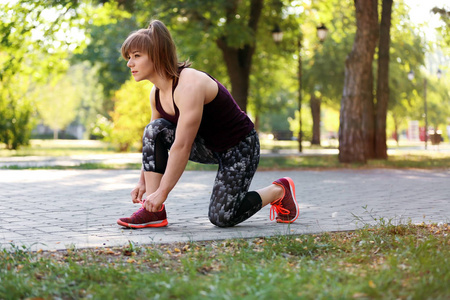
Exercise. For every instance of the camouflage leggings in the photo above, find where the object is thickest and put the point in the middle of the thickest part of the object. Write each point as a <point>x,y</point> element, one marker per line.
<point>230,203</point>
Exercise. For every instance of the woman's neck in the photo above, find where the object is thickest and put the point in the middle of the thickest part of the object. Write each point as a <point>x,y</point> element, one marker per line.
<point>163,84</point>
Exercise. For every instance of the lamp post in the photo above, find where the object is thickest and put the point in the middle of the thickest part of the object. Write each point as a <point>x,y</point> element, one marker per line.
<point>277,35</point>
<point>322,33</point>
<point>425,106</point>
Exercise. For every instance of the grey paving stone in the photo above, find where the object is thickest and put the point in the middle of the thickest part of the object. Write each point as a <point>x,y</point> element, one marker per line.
<point>56,209</point>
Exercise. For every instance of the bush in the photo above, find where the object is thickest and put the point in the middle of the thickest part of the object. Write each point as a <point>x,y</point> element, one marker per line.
<point>131,114</point>
<point>15,115</point>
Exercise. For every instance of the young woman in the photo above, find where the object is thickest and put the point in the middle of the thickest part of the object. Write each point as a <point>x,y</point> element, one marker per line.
<point>196,118</point>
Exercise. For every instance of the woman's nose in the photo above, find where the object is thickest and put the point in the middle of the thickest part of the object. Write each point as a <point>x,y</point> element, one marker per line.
<point>130,63</point>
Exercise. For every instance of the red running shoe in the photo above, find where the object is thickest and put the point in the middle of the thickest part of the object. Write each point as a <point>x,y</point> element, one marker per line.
<point>143,219</point>
<point>286,208</point>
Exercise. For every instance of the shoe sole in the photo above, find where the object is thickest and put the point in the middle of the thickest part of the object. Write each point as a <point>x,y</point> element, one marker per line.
<point>292,188</point>
<point>145,225</point>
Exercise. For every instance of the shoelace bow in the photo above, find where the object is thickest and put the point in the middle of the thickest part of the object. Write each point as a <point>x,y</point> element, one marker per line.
<point>277,208</point>
<point>142,203</point>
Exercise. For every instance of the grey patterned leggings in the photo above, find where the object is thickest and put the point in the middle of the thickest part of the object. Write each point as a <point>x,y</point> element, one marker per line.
<point>230,203</point>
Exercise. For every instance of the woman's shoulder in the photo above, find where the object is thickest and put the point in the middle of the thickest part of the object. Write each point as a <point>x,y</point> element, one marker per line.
<point>199,82</point>
<point>191,72</point>
<point>194,76</point>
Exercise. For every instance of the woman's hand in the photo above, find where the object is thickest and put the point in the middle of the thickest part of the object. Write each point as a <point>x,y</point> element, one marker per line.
<point>154,201</point>
<point>138,192</point>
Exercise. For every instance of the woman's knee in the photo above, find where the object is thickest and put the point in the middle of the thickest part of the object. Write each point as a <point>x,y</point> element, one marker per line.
<point>155,127</point>
<point>220,223</point>
<point>221,218</point>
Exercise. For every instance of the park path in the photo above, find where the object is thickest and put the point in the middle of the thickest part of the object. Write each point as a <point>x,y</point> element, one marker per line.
<point>58,209</point>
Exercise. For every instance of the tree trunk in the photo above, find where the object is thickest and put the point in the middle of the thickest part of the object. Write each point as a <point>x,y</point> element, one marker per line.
<point>55,134</point>
<point>300,96</point>
<point>368,125</point>
<point>383,81</point>
<point>239,60</point>
<point>257,118</point>
<point>358,84</point>
<point>396,132</point>
<point>315,113</point>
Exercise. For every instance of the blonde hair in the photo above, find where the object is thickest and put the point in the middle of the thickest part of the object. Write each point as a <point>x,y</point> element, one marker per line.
<point>157,42</point>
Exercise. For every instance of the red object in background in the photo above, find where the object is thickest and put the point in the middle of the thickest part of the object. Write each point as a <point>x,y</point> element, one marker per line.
<point>394,136</point>
<point>422,134</point>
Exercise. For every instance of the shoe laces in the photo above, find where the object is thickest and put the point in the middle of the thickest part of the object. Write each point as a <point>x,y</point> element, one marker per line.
<point>276,209</point>
<point>142,203</point>
<point>138,211</point>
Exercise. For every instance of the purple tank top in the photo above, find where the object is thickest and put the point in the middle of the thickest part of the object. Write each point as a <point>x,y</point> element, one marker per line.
<point>223,123</point>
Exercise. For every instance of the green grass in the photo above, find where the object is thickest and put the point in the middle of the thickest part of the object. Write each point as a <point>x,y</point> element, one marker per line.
<point>382,262</point>
<point>59,148</point>
<point>400,159</point>
<point>289,163</point>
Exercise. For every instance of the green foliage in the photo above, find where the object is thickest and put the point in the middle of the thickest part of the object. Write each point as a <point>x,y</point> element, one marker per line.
<point>106,28</point>
<point>29,35</point>
<point>85,79</point>
<point>324,62</point>
<point>16,108</point>
<point>41,39</point>
<point>57,102</point>
<point>131,113</point>
<point>444,30</point>
<point>294,123</point>
<point>29,53</point>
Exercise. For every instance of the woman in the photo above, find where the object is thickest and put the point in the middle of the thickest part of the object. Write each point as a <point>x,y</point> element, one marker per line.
<point>195,117</point>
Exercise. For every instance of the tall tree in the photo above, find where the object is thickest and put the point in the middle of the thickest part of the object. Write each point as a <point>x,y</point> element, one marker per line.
<point>383,80</point>
<point>105,34</point>
<point>29,52</point>
<point>315,105</point>
<point>239,59</point>
<point>357,99</point>
<point>324,70</point>
<point>231,24</point>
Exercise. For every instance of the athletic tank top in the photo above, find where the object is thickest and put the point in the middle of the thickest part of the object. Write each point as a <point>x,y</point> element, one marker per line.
<point>223,123</point>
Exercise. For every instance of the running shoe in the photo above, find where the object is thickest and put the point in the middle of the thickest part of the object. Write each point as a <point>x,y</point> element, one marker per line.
<point>285,208</point>
<point>143,219</point>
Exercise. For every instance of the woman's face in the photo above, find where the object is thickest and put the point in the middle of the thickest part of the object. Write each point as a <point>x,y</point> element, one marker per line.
<point>141,66</point>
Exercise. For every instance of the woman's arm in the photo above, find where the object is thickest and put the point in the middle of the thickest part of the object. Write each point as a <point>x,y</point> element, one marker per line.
<point>189,97</point>
<point>139,190</point>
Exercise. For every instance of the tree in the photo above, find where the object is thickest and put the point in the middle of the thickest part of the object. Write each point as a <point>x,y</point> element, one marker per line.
<point>90,92</point>
<point>324,67</point>
<point>131,113</point>
<point>15,111</point>
<point>383,81</point>
<point>444,30</point>
<point>407,51</point>
<point>357,99</point>
<point>57,103</point>
<point>29,52</point>
<point>231,24</point>
<point>105,34</point>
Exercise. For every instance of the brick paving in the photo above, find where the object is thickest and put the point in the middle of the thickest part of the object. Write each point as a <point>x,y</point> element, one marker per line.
<point>59,209</point>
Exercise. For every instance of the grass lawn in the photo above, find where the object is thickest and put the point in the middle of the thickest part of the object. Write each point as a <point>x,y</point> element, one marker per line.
<point>399,159</point>
<point>59,148</point>
<point>402,261</point>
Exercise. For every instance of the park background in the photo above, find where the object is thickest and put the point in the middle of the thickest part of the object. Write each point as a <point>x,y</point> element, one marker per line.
<point>62,75</point>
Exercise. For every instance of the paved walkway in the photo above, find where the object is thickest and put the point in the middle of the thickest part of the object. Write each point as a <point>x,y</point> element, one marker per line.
<point>57,209</point>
